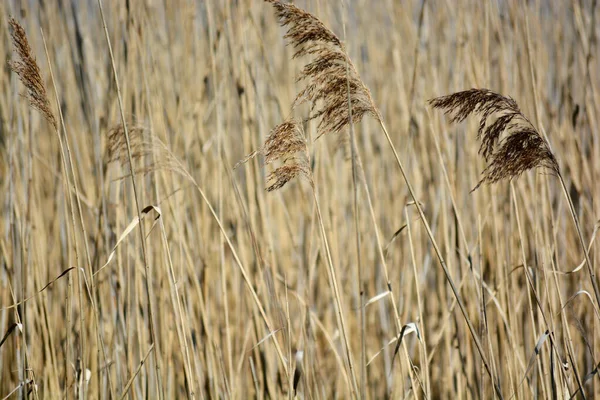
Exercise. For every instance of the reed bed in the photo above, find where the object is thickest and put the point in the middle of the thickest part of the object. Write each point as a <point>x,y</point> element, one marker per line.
<point>257,199</point>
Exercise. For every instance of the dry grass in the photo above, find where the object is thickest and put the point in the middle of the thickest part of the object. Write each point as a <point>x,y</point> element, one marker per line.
<point>313,290</point>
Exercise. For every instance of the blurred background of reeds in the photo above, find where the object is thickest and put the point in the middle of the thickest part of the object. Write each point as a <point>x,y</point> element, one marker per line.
<point>202,84</point>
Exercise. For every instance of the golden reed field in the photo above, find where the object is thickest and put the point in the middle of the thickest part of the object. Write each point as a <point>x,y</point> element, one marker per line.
<point>373,199</point>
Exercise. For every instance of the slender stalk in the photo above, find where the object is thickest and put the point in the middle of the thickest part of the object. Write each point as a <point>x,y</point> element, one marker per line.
<point>148,281</point>
<point>438,253</point>
<point>69,200</point>
<point>243,271</point>
<point>530,284</point>
<point>424,358</point>
<point>91,291</point>
<point>588,263</point>
<point>547,321</point>
<point>563,318</point>
<point>359,278</point>
<point>336,293</point>
<point>219,128</point>
<point>181,331</point>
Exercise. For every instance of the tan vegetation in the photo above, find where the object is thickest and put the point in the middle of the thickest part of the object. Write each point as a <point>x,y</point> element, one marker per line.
<point>248,199</point>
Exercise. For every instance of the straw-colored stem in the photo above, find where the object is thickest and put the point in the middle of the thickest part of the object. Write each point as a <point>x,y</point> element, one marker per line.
<point>244,274</point>
<point>588,263</point>
<point>438,253</point>
<point>336,294</point>
<point>359,278</point>
<point>148,280</point>
<point>80,214</point>
<point>530,284</point>
<point>424,357</point>
<point>175,299</point>
<point>547,321</point>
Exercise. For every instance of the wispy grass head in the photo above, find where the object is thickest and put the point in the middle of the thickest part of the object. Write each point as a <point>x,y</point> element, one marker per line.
<point>29,73</point>
<point>330,77</point>
<point>510,144</point>
<point>116,144</point>
<point>285,143</point>
<point>148,152</point>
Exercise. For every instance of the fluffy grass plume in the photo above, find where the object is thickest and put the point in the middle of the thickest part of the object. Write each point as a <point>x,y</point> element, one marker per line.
<point>330,77</point>
<point>29,73</point>
<point>286,143</point>
<point>510,144</point>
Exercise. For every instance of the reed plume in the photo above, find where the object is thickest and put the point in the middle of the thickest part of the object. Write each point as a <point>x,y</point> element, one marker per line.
<point>285,143</point>
<point>28,71</point>
<point>332,88</point>
<point>330,78</point>
<point>148,152</point>
<point>116,145</point>
<point>510,144</point>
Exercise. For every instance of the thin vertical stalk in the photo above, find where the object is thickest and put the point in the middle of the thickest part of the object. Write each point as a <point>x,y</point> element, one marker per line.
<point>148,281</point>
<point>424,358</point>
<point>588,263</point>
<point>243,271</point>
<point>441,259</point>
<point>336,293</point>
<point>359,278</point>
<point>91,291</point>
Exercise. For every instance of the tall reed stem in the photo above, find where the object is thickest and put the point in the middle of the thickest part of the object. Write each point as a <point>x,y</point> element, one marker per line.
<point>336,293</point>
<point>588,263</point>
<point>438,253</point>
<point>148,281</point>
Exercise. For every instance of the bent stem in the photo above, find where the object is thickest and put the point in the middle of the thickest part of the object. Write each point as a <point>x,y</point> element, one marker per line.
<point>438,253</point>
<point>582,242</point>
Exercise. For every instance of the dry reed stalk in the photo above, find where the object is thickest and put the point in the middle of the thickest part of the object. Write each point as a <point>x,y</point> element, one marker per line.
<point>90,290</point>
<point>287,143</point>
<point>162,158</point>
<point>148,281</point>
<point>144,147</point>
<point>510,145</point>
<point>360,289</point>
<point>29,74</point>
<point>219,128</point>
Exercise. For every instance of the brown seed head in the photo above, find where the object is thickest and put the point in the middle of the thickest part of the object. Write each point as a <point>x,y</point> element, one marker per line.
<point>330,77</point>
<point>147,151</point>
<point>285,143</point>
<point>510,144</point>
<point>29,73</point>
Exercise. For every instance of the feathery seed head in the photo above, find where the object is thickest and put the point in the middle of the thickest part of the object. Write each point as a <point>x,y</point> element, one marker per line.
<point>29,73</point>
<point>510,144</point>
